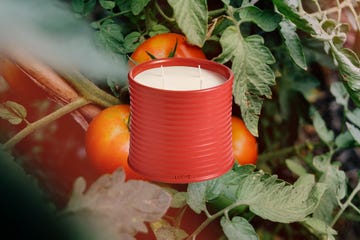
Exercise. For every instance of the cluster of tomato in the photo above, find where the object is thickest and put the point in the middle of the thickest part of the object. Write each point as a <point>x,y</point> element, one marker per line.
<point>108,135</point>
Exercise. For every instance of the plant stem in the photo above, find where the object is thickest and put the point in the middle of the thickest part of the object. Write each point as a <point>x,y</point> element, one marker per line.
<point>112,16</point>
<point>288,150</point>
<point>216,12</point>
<point>346,204</point>
<point>161,12</point>
<point>89,90</point>
<point>78,103</point>
<point>211,218</point>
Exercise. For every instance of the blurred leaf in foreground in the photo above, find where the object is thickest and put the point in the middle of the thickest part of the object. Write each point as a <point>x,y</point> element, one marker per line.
<point>116,208</point>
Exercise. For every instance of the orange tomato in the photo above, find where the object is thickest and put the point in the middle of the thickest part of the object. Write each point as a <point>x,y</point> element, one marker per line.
<point>244,143</point>
<point>107,141</point>
<point>165,45</point>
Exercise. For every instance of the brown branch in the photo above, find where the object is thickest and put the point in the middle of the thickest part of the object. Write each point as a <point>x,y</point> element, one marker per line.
<point>57,88</point>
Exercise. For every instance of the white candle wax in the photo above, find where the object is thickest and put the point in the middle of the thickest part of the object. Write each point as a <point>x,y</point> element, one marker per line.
<point>179,78</point>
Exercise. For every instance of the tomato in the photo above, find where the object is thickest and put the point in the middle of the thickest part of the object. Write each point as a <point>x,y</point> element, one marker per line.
<point>107,141</point>
<point>244,143</point>
<point>165,45</point>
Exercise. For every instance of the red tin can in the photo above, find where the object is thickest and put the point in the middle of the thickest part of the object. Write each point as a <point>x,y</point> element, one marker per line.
<point>180,135</point>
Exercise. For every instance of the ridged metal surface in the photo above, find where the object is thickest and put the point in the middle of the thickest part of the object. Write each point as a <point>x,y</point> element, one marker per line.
<point>181,136</point>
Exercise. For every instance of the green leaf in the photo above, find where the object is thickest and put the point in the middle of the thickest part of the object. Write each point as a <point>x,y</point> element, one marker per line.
<point>292,42</point>
<point>157,29</point>
<point>302,21</point>
<point>107,4</point>
<point>355,132</point>
<point>354,116</point>
<point>295,167</point>
<point>278,201</point>
<point>110,37</point>
<point>138,5</point>
<point>253,76</point>
<point>326,135</point>
<point>164,231</point>
<point>83,7</point>
<point>238,228</point>
<point>266,195</point>
<point>344,140</point>
<point>266,19</point>
<point>201,192</point>
<point>335,180</point>
<point>338,90</point>
<point>192,18</point>
<point>131,41</point>
<point>320,228</point>
<point>349,69</point>
<point>13,112</point>
<point>124,5</point>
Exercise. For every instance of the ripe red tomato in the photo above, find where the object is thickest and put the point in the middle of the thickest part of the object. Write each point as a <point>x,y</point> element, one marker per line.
<point>244,143</point>
<point>107,141</point>
<point>165,45</point>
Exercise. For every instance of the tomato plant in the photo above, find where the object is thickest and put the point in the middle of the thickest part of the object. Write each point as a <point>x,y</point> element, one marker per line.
<point>244,143</point>
<point>296,87</point>
<point>165,45</point>
<point>107,141</point>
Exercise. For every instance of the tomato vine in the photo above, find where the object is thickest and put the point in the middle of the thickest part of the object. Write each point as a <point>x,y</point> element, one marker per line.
<point>286,56</point>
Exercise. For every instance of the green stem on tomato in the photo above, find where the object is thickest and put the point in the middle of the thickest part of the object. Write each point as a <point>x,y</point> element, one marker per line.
<point>161,12</point>
<point>78,103</point>
<point>286,151</point>
<point>216,12</point>
<point>89,90</point>
<point>348,203</point>
<point>113,16</point>
<point>211,218</point>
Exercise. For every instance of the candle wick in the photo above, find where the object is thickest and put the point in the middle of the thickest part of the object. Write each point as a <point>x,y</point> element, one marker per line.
<point>163,77</point>
<point>200,76</point>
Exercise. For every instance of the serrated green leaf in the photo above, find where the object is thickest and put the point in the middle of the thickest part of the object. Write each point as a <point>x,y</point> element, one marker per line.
<point>266,195</point>
<point>266,19</point>
<point>238,228</point>
<point>13,112</point>
<point>131,41</point>
<point>278,201</point>
<point>157,29</point>
<point>349,69</point>
<point>110,37</point>
<point>77,5</point>
<point>320,228</point>
<point>192,18</point>
<point>124,5</point>
<point>354,116</point>
<point>107,4</point>
<point>302,21</point>
<point>201,192</point>
<point>253,76</point>
<point>295,167</point>
<point>338,90</point>
<point>335,180</point>
<point>326,135</point>
<point>292,42</point>
<point>138,5</point>
<point>355,132</point>
<point>83,7</point>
